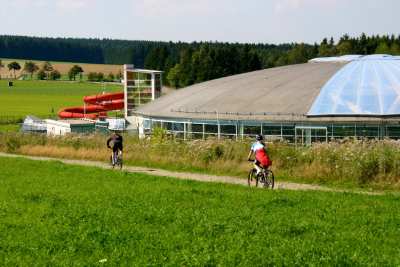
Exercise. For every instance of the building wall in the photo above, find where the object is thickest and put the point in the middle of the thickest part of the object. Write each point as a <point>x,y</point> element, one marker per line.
<point>303,133</point>
<point>141,88</point>
<point>60,128</point>
<point>57,130</point>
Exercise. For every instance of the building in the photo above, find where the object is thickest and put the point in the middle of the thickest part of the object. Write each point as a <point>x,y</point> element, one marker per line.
<point>116,124</point>
<point>140,87</point>
<point>33,124</point>
<point>63,127</point>
<point>324,99</point>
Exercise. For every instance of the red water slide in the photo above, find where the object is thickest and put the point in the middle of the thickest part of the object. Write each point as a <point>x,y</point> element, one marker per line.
<point>95,106</point>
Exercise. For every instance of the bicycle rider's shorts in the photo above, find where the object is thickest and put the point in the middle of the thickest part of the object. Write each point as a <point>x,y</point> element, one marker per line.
<point>117,147</point>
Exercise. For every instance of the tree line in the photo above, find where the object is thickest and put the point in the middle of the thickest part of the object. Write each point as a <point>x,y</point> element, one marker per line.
<point>45,72</point>
<point>188,63</point>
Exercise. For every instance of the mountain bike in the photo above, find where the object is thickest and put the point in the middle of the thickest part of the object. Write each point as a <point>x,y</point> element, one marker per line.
<point>118,159</point>
<point>266,178</point>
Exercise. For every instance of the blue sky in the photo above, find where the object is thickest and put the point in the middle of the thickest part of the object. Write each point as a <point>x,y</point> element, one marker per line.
<point>266,21</point>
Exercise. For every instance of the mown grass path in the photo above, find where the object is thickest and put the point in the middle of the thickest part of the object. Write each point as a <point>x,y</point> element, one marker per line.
<point>194,176</point>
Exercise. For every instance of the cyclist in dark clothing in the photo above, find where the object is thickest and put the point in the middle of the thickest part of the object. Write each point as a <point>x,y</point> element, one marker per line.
<point>117,146</point>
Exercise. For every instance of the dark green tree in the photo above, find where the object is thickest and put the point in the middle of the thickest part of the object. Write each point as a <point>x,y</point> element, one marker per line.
<point>111,77</point>
<point>395,49</point>
<point>298,54</point>
<point>74,71</point>
<point>383,48</point>
<point>41,75</point>
<point>92,77</point>
<point>14,66</point>
<point>174,76</point>
<point>100,77</point>
<point>1,66</point>
<point>345,48</point>
<point>47,68</point>
<point>55,75</point>
<point>185,66</point>
<point>31,67</point>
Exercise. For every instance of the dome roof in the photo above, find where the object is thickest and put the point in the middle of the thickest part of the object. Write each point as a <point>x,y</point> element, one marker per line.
<point>283,90</point>
<point>340,88</point>
<point>367,86</point>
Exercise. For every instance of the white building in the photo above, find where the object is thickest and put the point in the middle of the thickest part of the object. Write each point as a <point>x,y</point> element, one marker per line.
<point>34,124</point>
<point>63,127</point>
<point>140,87</point>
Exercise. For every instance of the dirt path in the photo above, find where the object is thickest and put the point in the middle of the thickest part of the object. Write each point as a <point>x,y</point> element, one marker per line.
<point>191,176</point>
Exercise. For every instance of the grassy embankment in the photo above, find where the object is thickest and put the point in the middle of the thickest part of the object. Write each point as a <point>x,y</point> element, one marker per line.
<point>42,98</point>
<point>353,164</point>
<point>53,214</point>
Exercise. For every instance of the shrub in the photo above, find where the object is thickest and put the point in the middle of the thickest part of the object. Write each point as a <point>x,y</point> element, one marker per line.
<point>55,75</point>
<point>41,75</point>
<point>13,144</point>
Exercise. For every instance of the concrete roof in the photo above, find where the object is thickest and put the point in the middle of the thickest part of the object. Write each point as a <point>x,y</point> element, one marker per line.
<point>264,94</point>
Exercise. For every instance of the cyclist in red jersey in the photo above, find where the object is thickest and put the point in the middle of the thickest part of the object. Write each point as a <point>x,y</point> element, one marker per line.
<point>262,161</point>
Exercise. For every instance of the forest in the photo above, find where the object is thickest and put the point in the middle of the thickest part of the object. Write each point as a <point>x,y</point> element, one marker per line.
<point>187,63</point>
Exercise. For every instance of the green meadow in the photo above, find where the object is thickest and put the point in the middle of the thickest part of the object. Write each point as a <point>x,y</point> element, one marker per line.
<point>45,98</point>
<point>52,214</point>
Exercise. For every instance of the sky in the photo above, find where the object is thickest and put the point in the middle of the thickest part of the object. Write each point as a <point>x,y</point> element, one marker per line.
<point>245,21</point>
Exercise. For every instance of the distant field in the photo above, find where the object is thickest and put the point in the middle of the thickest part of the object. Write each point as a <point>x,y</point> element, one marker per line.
<point>45,98</point>
<point>62,67</point>
<point>54,214</point>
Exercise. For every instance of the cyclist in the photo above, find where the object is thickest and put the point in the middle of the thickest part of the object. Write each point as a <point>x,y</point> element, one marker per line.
<point>262,161</point>
<point>117,146</point>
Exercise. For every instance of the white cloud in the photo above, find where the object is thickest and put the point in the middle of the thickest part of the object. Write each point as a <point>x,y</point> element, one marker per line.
<point>60,4</point>
<point>172,8</point>
<point>72,4</point>
<point>283,5</point>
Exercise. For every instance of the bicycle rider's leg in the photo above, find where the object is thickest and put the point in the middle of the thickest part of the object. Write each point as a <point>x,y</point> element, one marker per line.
<point>120,151</point>
<point>114,156</point>
<point>257,166</point>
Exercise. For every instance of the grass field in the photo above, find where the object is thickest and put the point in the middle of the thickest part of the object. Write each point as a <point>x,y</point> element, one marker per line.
<point>45,98</point>
<point>53,214</point>
<point>62,67</point>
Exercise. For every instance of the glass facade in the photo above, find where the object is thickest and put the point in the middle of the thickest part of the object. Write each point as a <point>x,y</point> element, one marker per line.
<point>298,133</point>
<point>141,87</point>
<point>366,86</point>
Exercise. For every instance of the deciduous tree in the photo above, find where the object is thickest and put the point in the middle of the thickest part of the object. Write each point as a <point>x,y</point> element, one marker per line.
<point>31,67</point>
<point>1,66</point>
<point>55,75</point>
<point>74,71</point>
<point>14,66</point>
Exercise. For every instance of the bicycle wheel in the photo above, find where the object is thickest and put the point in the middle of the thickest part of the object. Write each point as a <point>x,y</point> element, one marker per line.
<point>252,177</point>
<point>269,179</point>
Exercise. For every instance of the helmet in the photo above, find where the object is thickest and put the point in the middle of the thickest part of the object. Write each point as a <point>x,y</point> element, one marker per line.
<point>259,137</point>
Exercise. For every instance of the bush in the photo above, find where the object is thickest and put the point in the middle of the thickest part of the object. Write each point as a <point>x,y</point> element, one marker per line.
<point>55,75</point>
<point>96,77</point>
<point>41,75</point>
<point>13,144</point>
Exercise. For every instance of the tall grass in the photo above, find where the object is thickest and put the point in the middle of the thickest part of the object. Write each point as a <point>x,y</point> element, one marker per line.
<point>347,163</point>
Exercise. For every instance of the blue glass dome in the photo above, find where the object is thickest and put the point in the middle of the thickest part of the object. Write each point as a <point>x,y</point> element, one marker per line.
<point>367,86</point>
